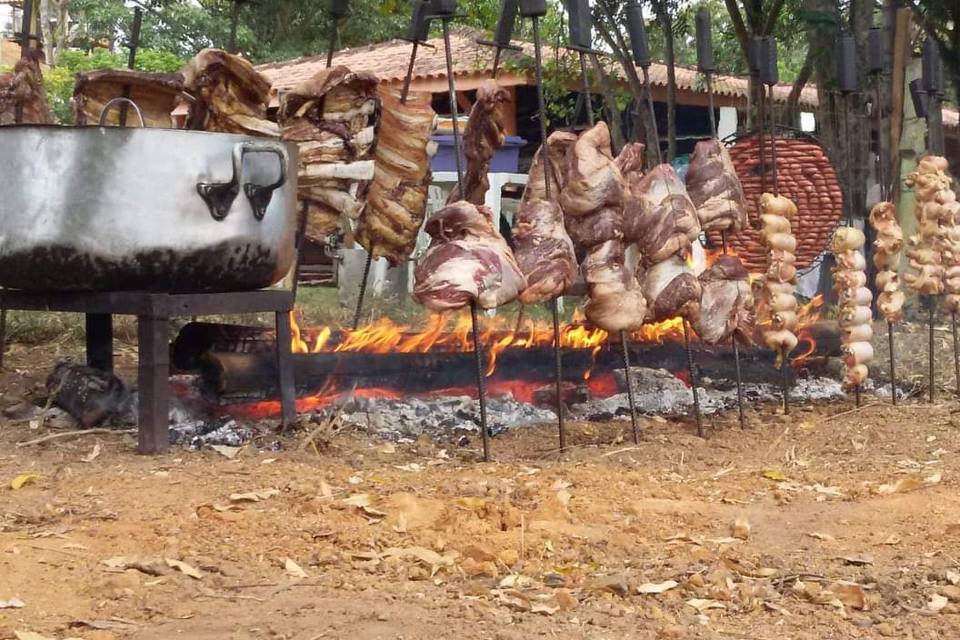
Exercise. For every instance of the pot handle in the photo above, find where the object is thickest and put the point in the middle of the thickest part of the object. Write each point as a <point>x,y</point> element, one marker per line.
<point>220,196</point>
<point>106,110</point>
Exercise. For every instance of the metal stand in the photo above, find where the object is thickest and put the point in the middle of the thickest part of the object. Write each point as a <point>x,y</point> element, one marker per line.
<point>956,351</point>
<point>693,379</point>
<point>653,114</point>
<point>481,388</point>
<point>736,359</point>
<point>893,373</point>
<point>558,373</point>
<point>154,311</point>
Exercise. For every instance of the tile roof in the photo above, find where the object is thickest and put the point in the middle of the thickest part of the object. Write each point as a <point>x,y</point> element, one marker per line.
<point>389,61</point>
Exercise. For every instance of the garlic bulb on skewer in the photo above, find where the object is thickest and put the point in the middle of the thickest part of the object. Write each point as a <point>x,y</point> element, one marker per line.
<point>778,305</point>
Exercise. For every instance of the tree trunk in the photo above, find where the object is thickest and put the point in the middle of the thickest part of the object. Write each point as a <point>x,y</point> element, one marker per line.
<point>54,27</point>
<point>791,112</point>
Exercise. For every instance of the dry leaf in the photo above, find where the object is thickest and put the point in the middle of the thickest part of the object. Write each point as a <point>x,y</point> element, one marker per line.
<point>412,467</point>
<point>937,602</point>
<point>833,492</point>
<point>849,594</point>
<point>740,529</point>
<point>227,452</point>
<point>254,496</point>
<point>12,603</point>
<point>427,556</point>
<point>326,490</point>
<point>826,537</point>
<point>563,497</point>
<point>513,600</point>
<point>147,565</point>
<point>702,604</point>
<point>560,484</point>
<point>910,483</point>
<point>775,607</point>
<point>657,587</point>
<point>892,539</point>
<point>775,475</point>
<point>360,500</point>
<point>30,635</point>
<point>23,479</point>
<point>93,455</point>
<point>859,560</point>
<point>294,569</point>
<point>953,577</point>
<point>183,568</point>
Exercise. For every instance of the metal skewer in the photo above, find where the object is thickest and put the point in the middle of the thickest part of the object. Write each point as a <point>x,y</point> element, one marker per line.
<point>536,9</point>
<point>877,60</point>
<point>417,34</point>
<point>706,67</point>
<point>446,10</point>
<point>338,11</point>
<point>503,35</point>
<point>580,42</point>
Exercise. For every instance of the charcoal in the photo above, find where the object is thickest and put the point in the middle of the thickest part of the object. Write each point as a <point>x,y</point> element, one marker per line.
<point>89,395</point>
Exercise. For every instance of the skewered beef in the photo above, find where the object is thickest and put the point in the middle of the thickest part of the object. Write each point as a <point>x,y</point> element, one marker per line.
<point>630,163</point>
<point>229,95</point>
<point>715,189</point>
<point>592,202</point>
<point>156,95</point>
<point>24,87</point>
<point>484,134</point>
<point>333,119</point>
<point>668,222</point>
<point>925,273</point>
<point>397,200</point>
<point>854,305</point>
<point>544,251</point>
<point>726,305</point>
<point>777,307</point>
<point>467,260</point>
<point>559,143</point>
<point>886,257</point>
<point>672,290</point>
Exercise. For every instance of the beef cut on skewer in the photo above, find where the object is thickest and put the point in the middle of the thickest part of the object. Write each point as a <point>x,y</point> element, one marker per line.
<point>484,134</point>
<point>467,260</point>
<point>397,200</point>
<point>726,305</point>
<point>715,189</point>
<point>592,202</point>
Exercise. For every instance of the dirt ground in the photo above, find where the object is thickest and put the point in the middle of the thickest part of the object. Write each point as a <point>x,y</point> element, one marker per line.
<point>828,523</point>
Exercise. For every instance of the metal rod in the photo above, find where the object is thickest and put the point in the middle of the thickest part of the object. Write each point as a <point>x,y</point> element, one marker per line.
<point>451,85</point>
<point>856,391</point>
<point>542,106</point>
<point>762,128</point>
<point>131,60</point>
<point>334,32</point>
<point>881,168</point>
<point>693,379</point>
<point>785,383</point>
<point>773,145</point>
<point>628,376</point>
<point>736,359</point>
<point>496,56</point>
<point>406,80</point>
<point>653,115</point>
<point>956,351</point>
<point>585,88</point>
<point>558,357</point>
<point>363,289</point>
<point>893,371</point>
<point>848,169</point>
<point>3,334</point>
<point>713,117</point>
<point>932,303</point>
<point>481,387</point>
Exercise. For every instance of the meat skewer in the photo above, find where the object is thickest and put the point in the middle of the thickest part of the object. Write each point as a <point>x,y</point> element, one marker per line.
<point>416,34</point>
<point>543,218</point>
<point>854,311</point>
<point>926,273</point>
<point>727,190</point>
<point>886,258</point>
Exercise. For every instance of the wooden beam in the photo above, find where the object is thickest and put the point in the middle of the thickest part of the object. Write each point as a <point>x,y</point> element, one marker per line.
<point>901,55</point>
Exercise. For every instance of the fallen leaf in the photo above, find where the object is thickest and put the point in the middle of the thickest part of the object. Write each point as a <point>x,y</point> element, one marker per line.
<point>563,497</point>
<point>227,452</point>
<point>657,587</point>
<point>559,485</point>
<point>826,537</point>
<point>892,539</point>
<point>775,475</point>
<point>30,635</point>
<point>950,591</point>
<point>360,500</point>
<point>23,479</point>
<point>12,603</point>
<point>833,492</point>
<point>859,560</point>
<point>326,490</point>
<point>727,540</point>
<point>953,577</point>
<point>910,483</point>
<point>388,448</point>
<point>513,599</point>
<point>183,568</point>
<point>849,594</point>
<point>937,602</point>
<point>149,566</point>
<point>544,608</point>
<point>412,467</point>
<point>427,556</point>
<point>775,607</point>
<point>294,569</point>
<point>268,461</point>
<point>93,455</point>
<point>254,496</point>
<point>703,604</point>
<point>740,529</point>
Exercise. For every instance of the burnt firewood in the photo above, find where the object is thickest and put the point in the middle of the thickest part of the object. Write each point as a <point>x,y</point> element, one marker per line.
<point>89,395</point>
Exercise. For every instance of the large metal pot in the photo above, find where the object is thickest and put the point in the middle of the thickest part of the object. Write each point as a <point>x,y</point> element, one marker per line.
<point>97,209</point>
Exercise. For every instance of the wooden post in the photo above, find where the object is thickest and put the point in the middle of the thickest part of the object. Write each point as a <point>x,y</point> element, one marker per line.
<point>901,55</point>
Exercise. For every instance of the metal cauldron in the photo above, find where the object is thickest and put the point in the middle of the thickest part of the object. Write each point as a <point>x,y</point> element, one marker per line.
<point>110,209</point>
